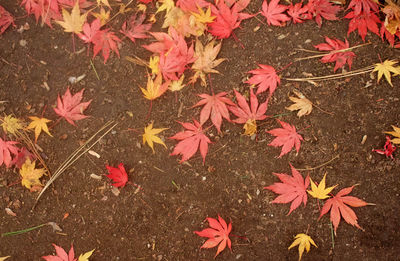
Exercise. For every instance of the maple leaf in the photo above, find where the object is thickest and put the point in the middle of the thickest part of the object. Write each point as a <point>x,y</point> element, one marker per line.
<point>249,114</point>
<point>388,148</point>
<point>21,157</point>
<point>177,85</point>
<point>117,175</point>
<point>320,191</point>
<point>103,16</point>
<point>6,149</point>
<point>323,8</point>
<point>134,28</point>
<point>85,256</point>
<point>385,69</point>
<point>274,13</point>
<point>363,23</point>
<point>155,88</point>
<point>39,124</point>
<point>218,234</point>
<point>150,136</point>
<point>392,19</point>
<point>301,103</point>
<point>73,22</point>
<point>265,78</point>
<point>395,133</point>
<point>61,255</point>
<point>190,140</point>
<point>214,106</point>
<point>384,33</point>
<point>227,19</point>
<point>104,2</point>
<point>203,17</point>
<point>205,60</point>
<point>4,258</point>
<point>11,124</point>
<point>70,107</point>
<point>362,6</point>
<point>6,20</point>
<point>291,189</point>
<point>166,5</point>
<point>287,137</point>
<point>191,5</point>
<point>340,58</point>
<point>298,12</point>
<point>104,40</point>
<point>339,206</point>
<point>47,10</point>
<point>303,241</point>
<point>30,175</point>
<point>90,30</point>
<point>153,64</point>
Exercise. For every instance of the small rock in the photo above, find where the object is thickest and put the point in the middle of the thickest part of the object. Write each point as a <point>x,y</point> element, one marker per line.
<point>10,212</point>
<point>238,256</point>
<point>23,43</point>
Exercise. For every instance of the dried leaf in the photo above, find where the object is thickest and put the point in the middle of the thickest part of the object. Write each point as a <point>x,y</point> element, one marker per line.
<point>301,103</point>
<point>30,175</point>
<point>85,256</point>
<point>395,133</point>
<point>73,22</point>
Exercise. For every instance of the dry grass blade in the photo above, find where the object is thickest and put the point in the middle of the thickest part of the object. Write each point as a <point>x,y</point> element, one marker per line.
<point>77,154</point>
<point>333,76</point>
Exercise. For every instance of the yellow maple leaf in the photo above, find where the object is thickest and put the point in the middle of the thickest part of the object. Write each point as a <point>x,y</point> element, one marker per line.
<point>395,133</point>
<point>166,5</point>
<point>205,60</point>
<point>154,88</point>
<point>385,69</point>
<point>11,124</point>
<point>4,258</point>
<point>39,124</point>
<point>177,85</point>
<point>104,2</point>
<point>204,17</point>
<point>150,136</point>
<point>320,191</point>
<point>30,175</point>
<point>303,241</point>
<point>103,16</point>
<point>73,22</point>
<point>154,64</point>
<point>85,257</point>
<point>301,103</point>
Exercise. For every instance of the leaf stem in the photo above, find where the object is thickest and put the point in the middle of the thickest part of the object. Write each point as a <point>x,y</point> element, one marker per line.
<point>321,165</point>
<point>22,231</point>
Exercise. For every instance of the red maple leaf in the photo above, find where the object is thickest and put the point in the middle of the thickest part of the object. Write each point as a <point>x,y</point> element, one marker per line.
<point>298,12</point>
<point>339,57</point>
<point>104,40</point>
<point>244,112</point>
<point>217,234</point>
<point>134,28</point>
<point>61,255</point>
<point>386,34</point>
<point>227,19</point>
<point>21,157</point>
<point>363,6</point>
<point>265,77</point>
<point>287,137</point>
<point>90,30</point>
<point>6,20</point>
<point>191,140</point>
<point>215,106</point>
<point>338,207</point>
<point>117,175</point>
<point>388,148</point>
<point>6,149</point>
<point>323,8</point>
<point>70,107</point>
<point>291,189</point>
<point>363,23</point>
<point>274,13</point>
<point>48,10</point>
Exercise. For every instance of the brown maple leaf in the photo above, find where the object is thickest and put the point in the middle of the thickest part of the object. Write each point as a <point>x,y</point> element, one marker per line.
<point>291,189</point>
<point>338,207</point>
<point>301,103</point>
<point>70,107</point>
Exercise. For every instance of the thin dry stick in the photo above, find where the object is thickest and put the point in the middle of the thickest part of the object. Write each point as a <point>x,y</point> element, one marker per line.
<point>323,164</point>
<point>75,156</point>
<point>319,108</point>
<point>333,76</point>
<point>332,52</point>
<point>112,18</point>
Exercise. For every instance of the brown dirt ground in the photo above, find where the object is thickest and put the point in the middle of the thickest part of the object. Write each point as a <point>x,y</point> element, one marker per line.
<point>157,223</point>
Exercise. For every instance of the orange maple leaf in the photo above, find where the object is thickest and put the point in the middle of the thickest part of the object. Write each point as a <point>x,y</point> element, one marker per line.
<point>155,88</point>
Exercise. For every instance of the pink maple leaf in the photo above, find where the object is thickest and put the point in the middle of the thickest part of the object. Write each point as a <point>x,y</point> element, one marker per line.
<point>6,20</point>
<point>298,12</point>
<point>134,28</point>
<point>287,137</point>
<point>339,57</point>
<point>323,9</point>
<point>192,139</point>
<point>61,255</point>
<point>6,149</point>
<point>70,107</point>
<point>105,41</point>
<point>363,6</point>
<point>244,112</point>
<point>90,30</point>
<point>291,189</point>
<point>117,175</point>
<point>214,107</point>
<point>265,78</point>
<point>274,12</point>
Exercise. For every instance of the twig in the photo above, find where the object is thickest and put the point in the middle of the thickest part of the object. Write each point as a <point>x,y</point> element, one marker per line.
<point>333,76</point>
<point>332,236</point>
<point>76,155</point>
<point>22,231</point>
<point>323,164</point>
<point>112,18</point>
<point>94,69</point>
